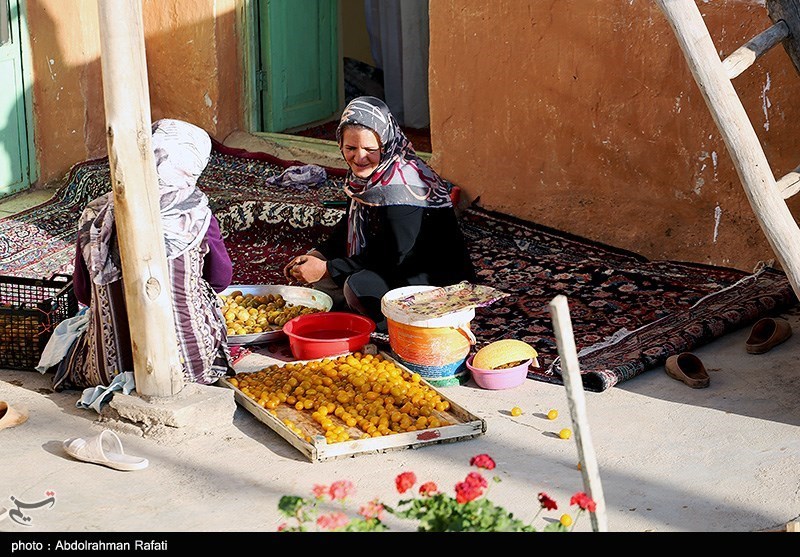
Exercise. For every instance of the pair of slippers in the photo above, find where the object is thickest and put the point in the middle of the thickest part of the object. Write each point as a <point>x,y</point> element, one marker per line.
<point>104,449</point>
<point>10,416</point>
<point>764,336</point>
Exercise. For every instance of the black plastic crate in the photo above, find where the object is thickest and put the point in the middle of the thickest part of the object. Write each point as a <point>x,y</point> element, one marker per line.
<point>29,311</point>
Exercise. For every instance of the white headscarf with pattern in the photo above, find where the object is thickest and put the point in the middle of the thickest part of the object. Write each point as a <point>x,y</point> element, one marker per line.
<point>182,152</point>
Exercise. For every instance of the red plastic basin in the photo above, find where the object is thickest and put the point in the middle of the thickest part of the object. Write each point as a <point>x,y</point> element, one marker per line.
<point>319,335</point>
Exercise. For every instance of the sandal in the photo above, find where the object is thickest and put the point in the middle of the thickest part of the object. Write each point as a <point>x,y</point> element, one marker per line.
<point>766,334</point>
<point>688,368</point>
<point>105,449</point>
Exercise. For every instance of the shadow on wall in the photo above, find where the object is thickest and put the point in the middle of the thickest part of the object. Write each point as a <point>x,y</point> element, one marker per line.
<point>41,104</point>
<point>65,86</point>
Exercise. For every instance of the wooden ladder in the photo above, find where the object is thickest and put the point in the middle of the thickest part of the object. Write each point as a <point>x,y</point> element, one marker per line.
<point>713,75</point>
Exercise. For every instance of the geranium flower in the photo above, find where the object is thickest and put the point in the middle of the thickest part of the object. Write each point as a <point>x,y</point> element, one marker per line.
<point>433,510</point>
<point>319,491</point>
<point>474,478</point>
<point>482,461</point>
<point>547,503</point>
<point>373,509</point>
<point>428,488</point>
<point>332,521</point>
<point>583,501</point>
<point>405,481</point>
<point>466,492</point>
<point>340,489</point>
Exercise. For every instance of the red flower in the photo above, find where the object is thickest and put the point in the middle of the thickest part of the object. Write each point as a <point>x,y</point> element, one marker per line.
<point>332,521</point>
<point>428,488</point>
<point>546,502</point>
<point>475,479</point>
<point>405,481</point>
<point>466,492</point>
<point>372,509</point>
<point>341,489</point>
<point>319,491</point>
<point>583,501</point>
<point>471,488</point>
<point>482,461</point>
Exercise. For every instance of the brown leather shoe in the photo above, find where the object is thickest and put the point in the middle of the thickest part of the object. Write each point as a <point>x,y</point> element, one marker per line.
<point>688,368</point>
<point>766,334</point>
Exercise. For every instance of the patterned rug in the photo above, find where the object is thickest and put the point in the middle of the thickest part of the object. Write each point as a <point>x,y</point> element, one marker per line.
<point>628,314</point>
<point>263,225</point>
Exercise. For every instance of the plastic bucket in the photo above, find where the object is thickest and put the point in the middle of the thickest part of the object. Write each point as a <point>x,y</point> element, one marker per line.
<point>435,348</point>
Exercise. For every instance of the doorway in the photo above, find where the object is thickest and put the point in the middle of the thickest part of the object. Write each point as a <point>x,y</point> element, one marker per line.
<point>15,172</point>
<point>328,49</point>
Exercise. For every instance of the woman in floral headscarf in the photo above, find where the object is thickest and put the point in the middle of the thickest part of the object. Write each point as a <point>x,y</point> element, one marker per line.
<point>197,260</point>
<point>400,227</point>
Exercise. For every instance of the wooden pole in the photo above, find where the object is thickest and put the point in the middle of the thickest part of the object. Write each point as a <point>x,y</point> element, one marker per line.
<point>570,371</point>
<point>740,138</point>
<point>137,212</point>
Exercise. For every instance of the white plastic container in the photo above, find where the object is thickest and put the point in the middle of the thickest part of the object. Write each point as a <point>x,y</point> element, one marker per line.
<point>436,348</point>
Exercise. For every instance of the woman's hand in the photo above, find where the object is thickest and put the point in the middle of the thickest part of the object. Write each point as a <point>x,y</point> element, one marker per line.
<point>287,270</point>
<point>305,269</point>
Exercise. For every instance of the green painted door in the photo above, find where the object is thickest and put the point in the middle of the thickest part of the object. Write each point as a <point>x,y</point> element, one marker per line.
<point>14,162</point>
<point>299,61</point>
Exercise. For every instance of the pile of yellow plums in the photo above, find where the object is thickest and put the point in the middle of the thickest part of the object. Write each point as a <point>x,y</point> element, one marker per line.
<point>353,396</point>
<point>18,332</point>
<point>247,313</point>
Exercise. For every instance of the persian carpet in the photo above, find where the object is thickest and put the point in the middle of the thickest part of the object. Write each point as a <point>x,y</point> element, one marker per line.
<point>628,314</point>
<point>263,224</point>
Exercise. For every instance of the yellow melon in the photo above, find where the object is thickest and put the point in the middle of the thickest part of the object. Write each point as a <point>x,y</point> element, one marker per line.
<point>502,352</point>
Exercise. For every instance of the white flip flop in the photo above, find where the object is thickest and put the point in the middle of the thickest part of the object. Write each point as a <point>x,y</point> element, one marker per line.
<point>105,449</point>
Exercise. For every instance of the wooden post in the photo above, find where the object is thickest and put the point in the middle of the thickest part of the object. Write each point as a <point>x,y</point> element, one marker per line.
<point>740,138</point>
<point>148,294</point>
<point>570,371</point>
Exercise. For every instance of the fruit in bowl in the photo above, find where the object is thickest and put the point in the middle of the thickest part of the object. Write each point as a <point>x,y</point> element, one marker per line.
<point>502,364</point>
<point>495,379</point>
<point>504,354</point>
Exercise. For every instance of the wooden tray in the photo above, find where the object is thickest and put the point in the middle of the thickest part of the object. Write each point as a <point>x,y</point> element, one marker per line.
<point>463,425</point>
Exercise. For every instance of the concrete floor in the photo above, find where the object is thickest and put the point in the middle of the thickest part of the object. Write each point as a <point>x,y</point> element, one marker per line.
<point>670,458</point>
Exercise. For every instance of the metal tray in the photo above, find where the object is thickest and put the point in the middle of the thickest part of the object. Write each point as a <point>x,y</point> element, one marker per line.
<point>295,295</point>
<point>462,425</point>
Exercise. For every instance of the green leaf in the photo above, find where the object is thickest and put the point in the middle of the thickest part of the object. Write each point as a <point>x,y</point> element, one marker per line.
<point>555,527</point>
<point>289,505</point>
